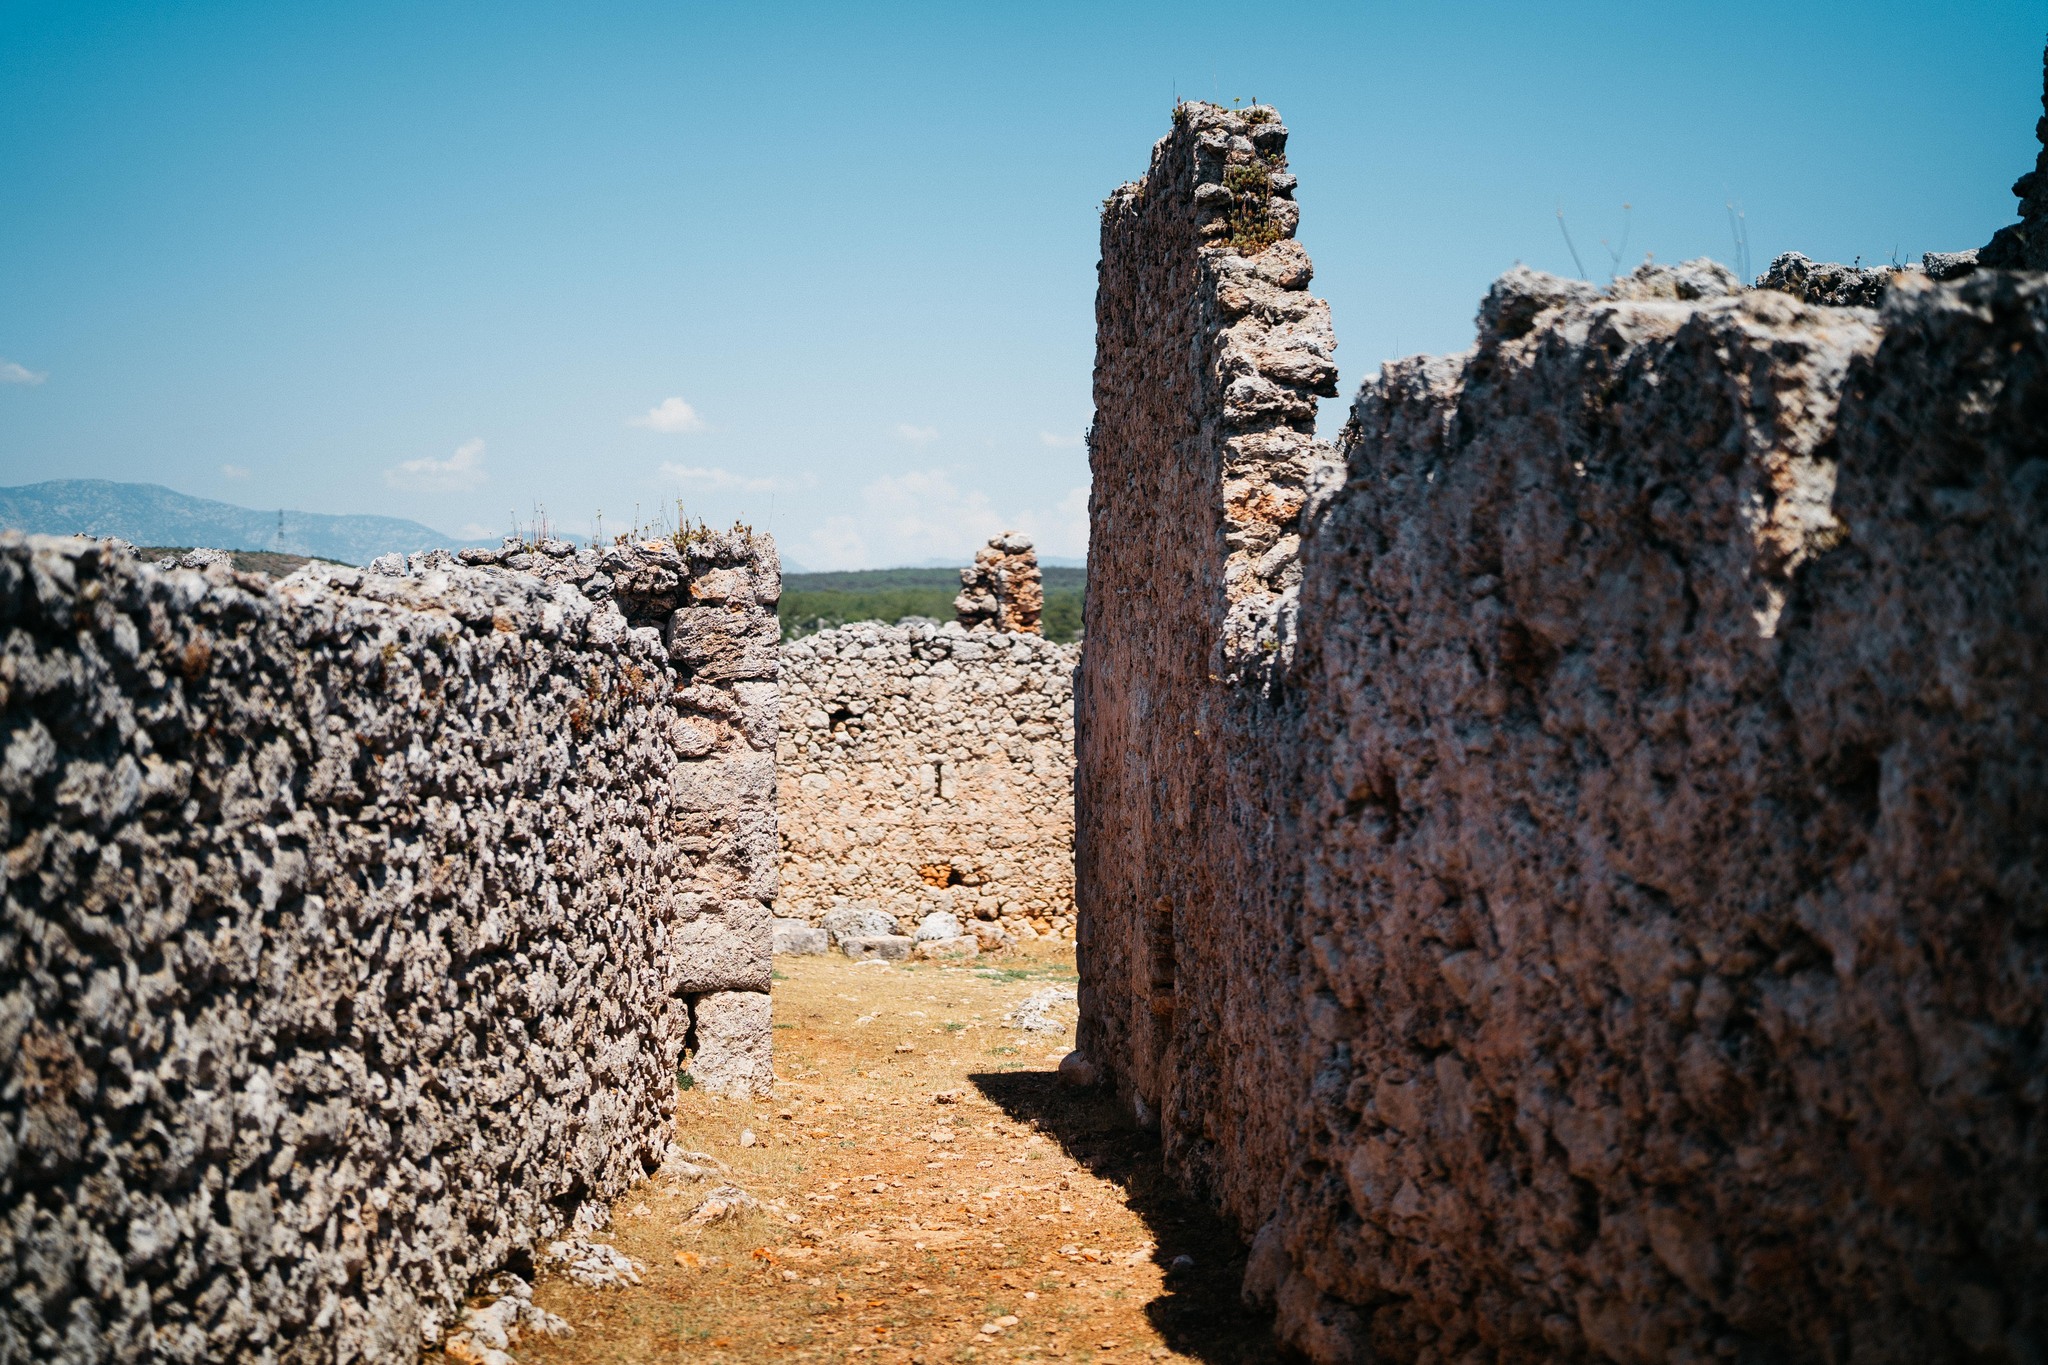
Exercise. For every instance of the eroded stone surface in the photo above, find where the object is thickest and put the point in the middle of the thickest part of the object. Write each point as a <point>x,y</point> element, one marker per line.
<point>1611,926</point>
<point>1002,589</point>
<point>355,926</point>
<point>2024,245</point>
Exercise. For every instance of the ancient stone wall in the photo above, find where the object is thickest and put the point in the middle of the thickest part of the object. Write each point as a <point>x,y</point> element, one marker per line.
<point>925,768</point>
<point>356,927</point>
<point>1604,919</point>
<point>1210,356</point>
<point>1002,589</point>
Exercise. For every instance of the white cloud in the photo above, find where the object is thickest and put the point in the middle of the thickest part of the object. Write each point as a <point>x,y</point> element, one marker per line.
<point>234,471</point>
<point>719,480</point>
<point>464,469</point>
<point>670,415</point>
<point>917,436</point>
<point>11,373</point>
<point>1059,442</point>
<point>909,518</point>
<point>1065,533</point>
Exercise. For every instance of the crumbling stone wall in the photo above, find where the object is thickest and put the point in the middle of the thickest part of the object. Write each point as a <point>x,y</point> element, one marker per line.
<point>1002,589</point>
<point>1607,922</point>
<point>926,768</point>
<point>1209,359</point>
<point>356,927</point>
<point>2024,245</point>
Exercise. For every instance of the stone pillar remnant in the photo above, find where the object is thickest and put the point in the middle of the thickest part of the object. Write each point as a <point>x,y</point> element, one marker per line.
<point>1002,589</point>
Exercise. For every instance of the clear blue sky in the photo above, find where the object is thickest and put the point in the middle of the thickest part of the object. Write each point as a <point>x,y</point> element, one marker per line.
<point>434,260</point>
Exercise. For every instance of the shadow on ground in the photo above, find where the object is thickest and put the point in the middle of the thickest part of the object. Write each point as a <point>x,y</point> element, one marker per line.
<point>1200,1314</point>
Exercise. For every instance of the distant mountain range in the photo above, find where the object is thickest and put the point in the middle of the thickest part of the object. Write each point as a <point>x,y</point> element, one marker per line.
<point>150,514</point>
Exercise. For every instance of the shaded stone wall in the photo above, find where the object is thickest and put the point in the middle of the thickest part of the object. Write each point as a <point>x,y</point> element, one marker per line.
<point>356,927</point>
<point>1607,923</point>
<point>927,768</point>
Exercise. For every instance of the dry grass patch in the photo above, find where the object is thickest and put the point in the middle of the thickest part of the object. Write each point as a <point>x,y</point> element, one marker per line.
<point>926,1192</point>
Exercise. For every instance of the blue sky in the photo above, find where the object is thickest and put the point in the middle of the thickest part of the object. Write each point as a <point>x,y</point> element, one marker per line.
<point>831,269</point>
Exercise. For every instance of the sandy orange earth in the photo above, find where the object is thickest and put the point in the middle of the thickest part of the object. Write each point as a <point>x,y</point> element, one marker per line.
<point>929,1192</point>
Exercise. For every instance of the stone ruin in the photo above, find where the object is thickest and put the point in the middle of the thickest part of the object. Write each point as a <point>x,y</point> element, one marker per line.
<point>1565,869</point>
<point>927,776</point>
<point>1002,590</point>
<point>358,926</point>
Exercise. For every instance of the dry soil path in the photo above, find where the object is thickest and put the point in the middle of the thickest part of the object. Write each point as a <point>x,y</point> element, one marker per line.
<point>930,1193</point>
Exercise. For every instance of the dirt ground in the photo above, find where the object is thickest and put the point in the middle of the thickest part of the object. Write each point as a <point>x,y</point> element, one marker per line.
<point>930,1193</point>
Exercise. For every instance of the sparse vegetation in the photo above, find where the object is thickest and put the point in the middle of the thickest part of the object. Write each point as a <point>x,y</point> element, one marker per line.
<point>820,601</point>
<point>920,1199</point>
<point>1252,228</point>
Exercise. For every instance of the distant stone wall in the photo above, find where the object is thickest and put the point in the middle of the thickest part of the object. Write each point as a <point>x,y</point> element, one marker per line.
<point>925,768</point>
<point>1601,916</point>
<point>356,926</point>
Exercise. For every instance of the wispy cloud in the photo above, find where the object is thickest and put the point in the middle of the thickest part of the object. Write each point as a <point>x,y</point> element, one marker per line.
<point>476,530</point>
<point>464,469</point>
<point>234,471</point>
<point>670,415</point>
<point>1059,442</point>
<point>721,480</point>
<point>924,514</point>
<point>916,435</point>
<point>11,373</point>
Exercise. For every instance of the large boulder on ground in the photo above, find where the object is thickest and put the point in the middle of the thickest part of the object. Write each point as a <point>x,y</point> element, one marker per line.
<point>937,925</point>
<point>947,949</point>
<point>856,921</point>
<point>885,947</point>
<point>795,937</point>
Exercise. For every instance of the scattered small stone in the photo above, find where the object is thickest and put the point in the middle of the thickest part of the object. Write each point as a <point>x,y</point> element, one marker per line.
<point>1080,1073</point>
<point>1033,1014</point>
<point>746,1137</point>
<point>488,1334</point>
<point>594,1265</point>
<point>727,1201</point>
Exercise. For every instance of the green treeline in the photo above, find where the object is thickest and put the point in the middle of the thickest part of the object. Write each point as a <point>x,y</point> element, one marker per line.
<point>814,601</point>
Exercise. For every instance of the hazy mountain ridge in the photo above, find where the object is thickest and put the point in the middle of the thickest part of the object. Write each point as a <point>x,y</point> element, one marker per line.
<point>150,514</point>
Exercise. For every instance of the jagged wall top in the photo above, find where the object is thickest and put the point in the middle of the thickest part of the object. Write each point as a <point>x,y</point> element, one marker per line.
<point>1218,190</point>
<point>2024,245</point>
<point>1002,589</point>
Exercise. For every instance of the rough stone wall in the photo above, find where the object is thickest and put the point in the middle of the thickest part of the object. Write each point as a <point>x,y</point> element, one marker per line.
<point>1611,925</point>
<point>1210,357</point>
<point>2024,245</point>
<point>1002,589</point>
<point>925,768</point>
<point>355,927</point>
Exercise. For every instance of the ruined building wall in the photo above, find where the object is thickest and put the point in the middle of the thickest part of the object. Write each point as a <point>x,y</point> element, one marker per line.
<point>1210,355</point>
<point>1002,589</point>
<point>355,927</point>
<point>925,768</point>
<point>1606,924</point>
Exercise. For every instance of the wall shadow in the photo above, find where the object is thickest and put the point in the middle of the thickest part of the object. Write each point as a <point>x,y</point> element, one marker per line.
<point>1199,1313</point>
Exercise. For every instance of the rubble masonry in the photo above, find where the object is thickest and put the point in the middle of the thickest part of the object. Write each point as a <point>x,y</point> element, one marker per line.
<point>1585,900</point>
<point>926,768</point>
<point>356,926</point>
